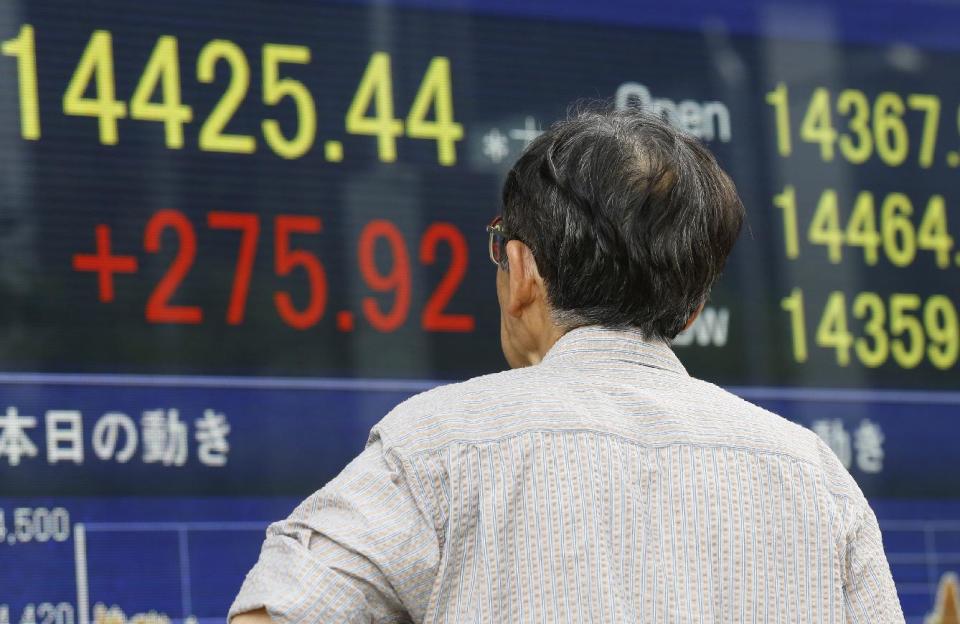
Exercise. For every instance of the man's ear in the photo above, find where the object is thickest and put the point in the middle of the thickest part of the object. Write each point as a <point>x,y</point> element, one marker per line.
<point>694,316</point>
<point>523,278</point>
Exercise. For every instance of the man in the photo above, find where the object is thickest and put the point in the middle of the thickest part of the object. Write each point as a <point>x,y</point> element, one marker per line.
<point>597,480</point>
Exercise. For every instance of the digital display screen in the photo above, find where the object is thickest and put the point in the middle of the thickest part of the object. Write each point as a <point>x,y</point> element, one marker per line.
<point>234,235</point>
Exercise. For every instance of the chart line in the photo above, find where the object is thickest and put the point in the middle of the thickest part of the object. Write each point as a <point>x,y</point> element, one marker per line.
<point>185,595</point>
<point>80,563</point>
<point>928,544</point>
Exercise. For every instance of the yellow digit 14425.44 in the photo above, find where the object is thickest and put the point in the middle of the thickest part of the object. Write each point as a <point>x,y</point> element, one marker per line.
<point>23,48</point>
<point>212,135</point>
<point>163,72</point>
<point>96,65</point>
<point>376,89</point>
<point>436,90</point>
<point>276,88</point>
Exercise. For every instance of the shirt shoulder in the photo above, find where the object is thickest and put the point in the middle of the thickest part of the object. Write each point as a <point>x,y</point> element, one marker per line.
<point>745,424</point>
<point>642,405</point>
<point>470,410</point>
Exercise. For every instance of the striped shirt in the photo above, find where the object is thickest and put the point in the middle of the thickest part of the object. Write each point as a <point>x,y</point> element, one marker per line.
<point>602,485</point>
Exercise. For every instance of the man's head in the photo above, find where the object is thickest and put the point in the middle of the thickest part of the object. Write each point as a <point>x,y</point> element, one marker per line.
<point>613,218</point>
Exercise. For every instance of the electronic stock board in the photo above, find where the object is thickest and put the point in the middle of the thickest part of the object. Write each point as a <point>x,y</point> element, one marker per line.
<point>234,235</point>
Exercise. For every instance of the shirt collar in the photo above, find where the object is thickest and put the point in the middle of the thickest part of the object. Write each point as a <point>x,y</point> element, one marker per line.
<point>601,344</point>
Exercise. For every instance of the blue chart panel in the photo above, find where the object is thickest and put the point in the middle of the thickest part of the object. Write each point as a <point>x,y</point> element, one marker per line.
<point>178,554</point>
<point>185,558</point>
<point>176,558</point>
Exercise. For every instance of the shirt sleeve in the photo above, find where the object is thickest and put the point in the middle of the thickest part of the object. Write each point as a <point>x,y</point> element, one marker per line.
<point>362,549</point>
<point>868,589</point>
